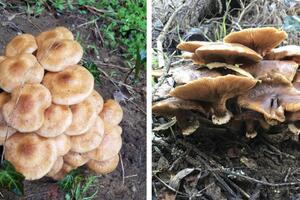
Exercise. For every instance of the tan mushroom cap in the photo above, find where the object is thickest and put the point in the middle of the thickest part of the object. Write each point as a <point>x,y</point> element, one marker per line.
<point>271,99</point>
<point>260,40</point>
<point>70,86</point>
<point>84,115</point>
<point>57,166</point>
<point>56,56</point>
<point>89,140</point>
<point>112,112</point>
<point>227,53</point>
<point>63,144</point>
<point>2,58</point>
<point>269,70</point>
<point>4,129</point>
<point>289,52</point>
<point>66,168</point>
<point>32,155</point>
<point>24,43</point>
<point>104,167</point>
<point>296,81</point>
<point>215,90</point>
<point>112,129</point>
<point>56,34</point>
<point>15,71</point>
<point>98,101</point>
<point>57,119</point>
<point>109,147</point>
<point>25,110</point>
<point>191,46</point>
<point>75,159</point>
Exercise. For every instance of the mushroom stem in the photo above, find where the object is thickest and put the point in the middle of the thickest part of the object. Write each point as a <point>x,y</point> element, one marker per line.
<point>221,114</point>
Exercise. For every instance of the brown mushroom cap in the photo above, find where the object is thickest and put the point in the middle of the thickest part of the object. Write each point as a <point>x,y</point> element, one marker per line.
<point>289,52</point>
<point>56,34</point>
<point>227,53</point>
<point>84,115</point>
<point>57,119</point>
<point>56,167</point>
<point>25,110</point>
<point>24,43</point>
<point>89,140</point>
<point>70,86</point>
<point>109,147</point>
<point>215,90</point>
<point>75,159</point>
<point>66,168</point>
<point>31,155</point>
<point>63,144</point>
<point>271,99</point>
<point>267,70</point>
<point>4,129</point>
<point>15,71</point>
<point>112,112</point>
<point>104,167</point>
<point>191,46</point>
<point>56,56</point>
<point>260,40</point>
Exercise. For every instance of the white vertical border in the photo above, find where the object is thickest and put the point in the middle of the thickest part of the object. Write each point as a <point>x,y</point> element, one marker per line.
<point>149,100</point>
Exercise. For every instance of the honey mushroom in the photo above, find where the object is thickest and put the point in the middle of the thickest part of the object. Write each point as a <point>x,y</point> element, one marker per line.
<point>24,43</point>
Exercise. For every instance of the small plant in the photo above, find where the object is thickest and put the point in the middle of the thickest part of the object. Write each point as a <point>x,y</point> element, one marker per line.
<point>93,68</point>
<point>76,186</point>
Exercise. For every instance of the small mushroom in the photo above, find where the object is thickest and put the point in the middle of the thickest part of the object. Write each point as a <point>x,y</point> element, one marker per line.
<point>89,140</point>
<point>25,110</point>
<point>75,159</point>
<point>227,53</point>
<point>24,43</point>
<point>274,71</point>
<point>109,147</point>
<point>261,40</point>
<point>70,86</point>
<point>32,155</point>
<point>289,52</point>
<point>84,115</point>
<point>63,144</point>
<point>57,119</point>
<point>104,167</point>
<point>215,90</point>
<point>56,34</point>
<point>17,70</point>
<point>271,99</point>
<point>56,167</point>
<point>112,112</point>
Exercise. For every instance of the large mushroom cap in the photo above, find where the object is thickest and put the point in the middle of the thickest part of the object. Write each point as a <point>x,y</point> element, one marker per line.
<point>57,166</point>
<point>55,56</point>
<point>260,40</point>
<point>75,159</point>
<point>269,70</point>
<point>191,46</point>
<point>24,43</point>
<point>56,34</point>
<point>25,110</point>
<point>89,140</point>
<point>4,129</point>
<point>112,112</point>
<point>215,90</point>
<point>227,53</point>
<point>31,155</point>
<point>289,52</point>
<point>15,71</point>
<point>271,99</point>
<point>70,86</point>
<point>84,115</point>
<point>104,167</point>
<point>63,144</point>
<point>57,119</point>
<point>109,147</point>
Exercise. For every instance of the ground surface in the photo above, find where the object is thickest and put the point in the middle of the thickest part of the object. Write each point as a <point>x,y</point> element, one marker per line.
<point>118,185</point>
<point>219,162</point>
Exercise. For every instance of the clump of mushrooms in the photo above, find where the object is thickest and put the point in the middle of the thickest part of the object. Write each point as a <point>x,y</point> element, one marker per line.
<point>244,78</point>
<point>52,120</point>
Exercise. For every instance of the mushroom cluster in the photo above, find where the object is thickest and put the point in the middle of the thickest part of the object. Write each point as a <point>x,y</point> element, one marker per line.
<point>243,79</point>
<point>51,118</point>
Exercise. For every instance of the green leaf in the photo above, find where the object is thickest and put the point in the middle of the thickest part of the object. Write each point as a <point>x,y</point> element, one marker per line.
<point>11,179</point>
<point>67,182</point>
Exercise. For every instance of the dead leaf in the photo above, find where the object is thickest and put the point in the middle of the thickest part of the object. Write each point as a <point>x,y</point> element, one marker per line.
<point>166,125</point>
<point>175,181</point>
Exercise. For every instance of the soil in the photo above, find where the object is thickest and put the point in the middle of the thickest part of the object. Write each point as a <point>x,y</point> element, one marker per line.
<point>14,21</point>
